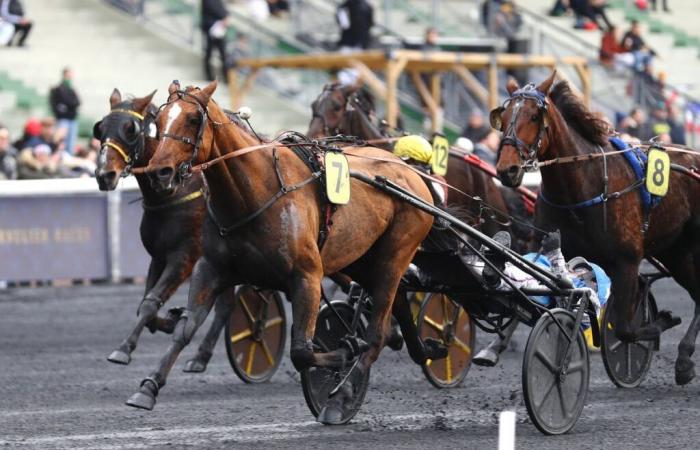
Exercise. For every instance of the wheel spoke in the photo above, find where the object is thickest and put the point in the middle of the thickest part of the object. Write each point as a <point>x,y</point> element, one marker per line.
<point>448,367</point>
<point>546,361</point>
<point>562,401</point>
<point>273,322</point>
<point>433,324</point>
<point>547,393</point>
<point>615,346</point>
<point>268,354</point>
<point>628,358</point>
<point>321,344</point>
<point>246,310</point>
<point>462,346</point>
<point>575,366</point>
<point>251,354</point>
<point>240,336</point>
<point>445,312</point>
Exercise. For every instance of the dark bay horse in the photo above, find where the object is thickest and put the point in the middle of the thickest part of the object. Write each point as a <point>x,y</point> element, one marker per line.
<point>124,136</point>
<point>544,122</point>
<point>265,213</point>
<point>341,109</point>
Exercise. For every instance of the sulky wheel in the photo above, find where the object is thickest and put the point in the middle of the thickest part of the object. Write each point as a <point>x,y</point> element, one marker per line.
<point>627,364</point>
<point>445,321</point>
<point>317,382</point>
<point>555,398</point>
<point>256,333</point>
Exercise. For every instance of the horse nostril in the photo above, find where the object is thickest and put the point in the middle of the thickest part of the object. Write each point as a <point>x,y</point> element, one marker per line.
<point>165,173</point>
<point>513,170</point>
<point>108,176</point>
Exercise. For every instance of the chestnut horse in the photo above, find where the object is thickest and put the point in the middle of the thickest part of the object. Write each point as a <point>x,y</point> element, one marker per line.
<point>124,136</point>
<point>265,212</point>
<point>544,122</point>
<point>340,109</point>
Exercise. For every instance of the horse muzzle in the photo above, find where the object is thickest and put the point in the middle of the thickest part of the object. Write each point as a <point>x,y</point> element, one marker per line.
<point>511,176</point>
<point>162,179</point>
<point>107,180</point>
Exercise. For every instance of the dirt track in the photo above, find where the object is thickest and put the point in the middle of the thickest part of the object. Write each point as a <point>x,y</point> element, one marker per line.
<point>57,390</point>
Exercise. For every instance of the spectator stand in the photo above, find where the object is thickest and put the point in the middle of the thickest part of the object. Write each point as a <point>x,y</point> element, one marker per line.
<point>374,64</point>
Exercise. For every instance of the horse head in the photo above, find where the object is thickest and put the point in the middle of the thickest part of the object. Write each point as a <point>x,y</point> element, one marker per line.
<point>329,109</point>
<point>524,120</point>
<point>123,137</point>
<point>185,134</point>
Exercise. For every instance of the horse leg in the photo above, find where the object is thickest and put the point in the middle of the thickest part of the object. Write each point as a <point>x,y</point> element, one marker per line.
<point>418,350</point>
<point>205,285</point>
<point>686,271</point>
<point>164,277</point>
<point>625,292</point>
<point>224,308</point>
<point>488,356</point>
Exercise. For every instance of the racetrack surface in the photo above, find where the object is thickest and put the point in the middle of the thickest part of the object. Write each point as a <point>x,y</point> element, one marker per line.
<point>58,391</point>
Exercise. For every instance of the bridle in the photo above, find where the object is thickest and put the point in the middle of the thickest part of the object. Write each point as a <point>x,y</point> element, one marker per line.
<point>527,153</point>
<point>135,144</point>
<point>315,114</point>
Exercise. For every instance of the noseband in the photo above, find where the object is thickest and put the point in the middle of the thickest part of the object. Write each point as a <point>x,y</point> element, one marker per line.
<point>135,144</point>
<point>185,168</point>
<point>527,153</point>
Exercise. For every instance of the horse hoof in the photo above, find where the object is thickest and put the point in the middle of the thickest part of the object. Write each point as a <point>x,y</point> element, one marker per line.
<point>486,358</point>
<point>434,349</point>
<point>685,371</point>
<point>330,415</point>
<point>395,340</point>
<point>119,356</point>
<point>195,366</point>
<point>667,320</point>
<point>142,400</point>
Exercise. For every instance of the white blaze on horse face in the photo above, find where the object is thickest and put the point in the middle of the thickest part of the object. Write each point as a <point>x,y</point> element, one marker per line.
<point>173,114</point>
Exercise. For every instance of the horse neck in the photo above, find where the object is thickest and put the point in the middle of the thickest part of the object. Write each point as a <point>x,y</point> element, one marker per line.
<point>358,124</point>
<point>237,185</point>
<point>567,183</point>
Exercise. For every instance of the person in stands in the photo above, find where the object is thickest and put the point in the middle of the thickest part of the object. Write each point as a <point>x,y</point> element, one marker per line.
<point>8,156</point>
<point>214,24</point>
<point>12,11</point>
<point>64,104</point>
<point>355,18</point>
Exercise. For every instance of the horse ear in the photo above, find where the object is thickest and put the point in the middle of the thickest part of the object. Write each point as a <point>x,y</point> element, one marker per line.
<point>546,85</point>
<point>350,89</point>
<point>512,86</point>
<point>174,87</point>
<point>115,98</point>
<point>141,104</point>
<point>496,118</point>
<point>207,91</point>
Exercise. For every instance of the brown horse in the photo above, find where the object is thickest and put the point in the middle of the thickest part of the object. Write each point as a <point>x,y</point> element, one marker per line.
<point>265,213</point>
<point>541,123</point>
<point>124,135</point>
<point>339,109</point>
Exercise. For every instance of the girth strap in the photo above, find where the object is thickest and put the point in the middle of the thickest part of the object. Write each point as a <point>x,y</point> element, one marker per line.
<point>187,198</point>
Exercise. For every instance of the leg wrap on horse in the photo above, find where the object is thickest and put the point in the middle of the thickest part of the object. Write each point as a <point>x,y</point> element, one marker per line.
<point>301,354</point>
<point>149,305</point>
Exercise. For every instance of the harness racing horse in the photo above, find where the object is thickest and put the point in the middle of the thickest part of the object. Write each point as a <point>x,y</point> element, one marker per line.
<point>125,135</point>
<point>339,110</point>
<point>595,200</point>
<point>265,212</point>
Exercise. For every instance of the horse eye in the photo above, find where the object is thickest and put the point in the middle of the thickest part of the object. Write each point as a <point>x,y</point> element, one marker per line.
<point>194,121</point>
<point>535,117</point>
<point>129,129</point>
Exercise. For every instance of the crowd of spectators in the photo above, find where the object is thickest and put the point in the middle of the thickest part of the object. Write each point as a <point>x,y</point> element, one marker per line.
<point>40,153</point>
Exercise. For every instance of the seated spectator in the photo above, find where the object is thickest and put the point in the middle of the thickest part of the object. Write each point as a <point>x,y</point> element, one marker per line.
<point>475,126</point>
<point>8,156</point>
<point>633,123</point>
<point>560,8</point>
<point>593,10</point>
<point>30,137</point>
<point>12,11</point>
<point>277,7</point>
<point>609,47</point>
<point>37,163</point>
<point>675,120</point>
<point>486,145</point>
<point>506,21</point>
<point>633,42</point>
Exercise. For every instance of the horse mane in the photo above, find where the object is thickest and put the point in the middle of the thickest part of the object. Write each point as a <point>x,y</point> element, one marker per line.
<point>586,123</point>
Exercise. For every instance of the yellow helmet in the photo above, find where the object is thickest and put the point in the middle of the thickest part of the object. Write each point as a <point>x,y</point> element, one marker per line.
<point>414,147</point>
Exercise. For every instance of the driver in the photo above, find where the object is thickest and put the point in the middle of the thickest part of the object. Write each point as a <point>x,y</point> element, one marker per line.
<point>418,152</point>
